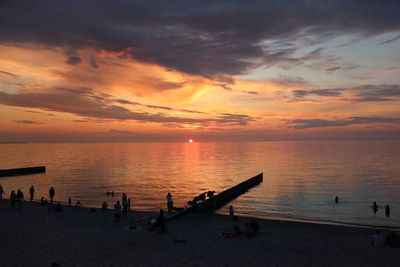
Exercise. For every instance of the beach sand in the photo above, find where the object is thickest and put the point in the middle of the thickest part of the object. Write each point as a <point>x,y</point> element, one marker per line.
<point>32,236</point>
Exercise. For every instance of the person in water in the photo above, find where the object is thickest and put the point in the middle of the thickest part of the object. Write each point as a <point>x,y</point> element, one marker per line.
<point>375,207</point>
<point>232,213</point>
<point>52,193</point>
<point>336,199</point>
<point>387,211</point>
<point>31,193</point>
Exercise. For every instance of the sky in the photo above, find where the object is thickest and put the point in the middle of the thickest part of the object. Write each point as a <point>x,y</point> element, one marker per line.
<point>119,70</point>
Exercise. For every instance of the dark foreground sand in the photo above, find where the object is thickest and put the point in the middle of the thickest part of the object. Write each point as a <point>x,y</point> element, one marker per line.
<point>33,236</point>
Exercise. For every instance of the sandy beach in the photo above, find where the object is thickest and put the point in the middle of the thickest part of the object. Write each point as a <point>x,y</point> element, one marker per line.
<point>33,236</point>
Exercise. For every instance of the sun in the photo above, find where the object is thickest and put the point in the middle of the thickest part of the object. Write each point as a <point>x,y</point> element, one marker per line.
<point>190,140</point>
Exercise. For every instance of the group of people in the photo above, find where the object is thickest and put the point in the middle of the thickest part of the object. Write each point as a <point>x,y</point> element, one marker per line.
<point>374,207</point>
<point>120,210</point>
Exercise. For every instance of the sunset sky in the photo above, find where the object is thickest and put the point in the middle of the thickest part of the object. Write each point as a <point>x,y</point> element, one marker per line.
<point>91,71</point>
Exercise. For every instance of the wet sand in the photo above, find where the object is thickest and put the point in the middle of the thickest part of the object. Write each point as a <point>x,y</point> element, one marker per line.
<point>32,236</point>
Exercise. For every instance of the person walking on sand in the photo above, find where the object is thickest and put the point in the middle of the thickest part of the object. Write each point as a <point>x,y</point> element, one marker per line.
<point>170,202</point>
<point>387,211</point>
<point>31,193</point>
<point>117,213</point>
<point>52,193</point>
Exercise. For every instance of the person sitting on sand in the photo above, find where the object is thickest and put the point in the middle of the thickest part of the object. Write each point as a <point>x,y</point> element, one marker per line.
<point>12,198</point>
<point>378,239</point>
<point>43,202</point>
<point>104,206</point>
<point>31,193</point>
<point>117,213</point>
<point>58,207</point>
<point>252,228</point>
<point>77,204</point>
<point>1,192</point>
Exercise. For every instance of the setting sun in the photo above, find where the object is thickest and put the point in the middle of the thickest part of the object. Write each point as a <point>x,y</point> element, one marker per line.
<point>190,140</point>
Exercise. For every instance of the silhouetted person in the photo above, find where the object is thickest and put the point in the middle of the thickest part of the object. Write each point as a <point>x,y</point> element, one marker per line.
<point>125,210</point>
<point>336,199</point>
<point>375,207</point>
<point>13,198</point>
<point>232,213</point>
<point>104,206</point>
<point>161,221</point>
<point>170,202</point>
<point>124,198</point>
<point>69,201</point>
<point>31,193</point>
<point>1,192</point>
<point>129,203</point>
<point>210,194</point>
<point>387,211</point>
<point>20,198</point>
<point>117,213</point>
<point>52,193</point>
<point>112,193</point>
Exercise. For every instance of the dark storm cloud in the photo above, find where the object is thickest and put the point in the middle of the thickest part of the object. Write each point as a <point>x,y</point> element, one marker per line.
<point>318,123</point>
<point>83,102</point>
<point>200,37</point>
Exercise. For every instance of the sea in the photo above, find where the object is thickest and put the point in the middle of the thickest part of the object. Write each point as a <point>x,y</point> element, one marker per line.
<point>301,178</point>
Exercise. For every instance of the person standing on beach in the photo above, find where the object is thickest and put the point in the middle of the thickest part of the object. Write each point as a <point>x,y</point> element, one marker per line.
<point>170,202</point>
<point>19,197</point>
<point>117,213</point>
<point>387,211</point>
<point>31,193</point>
<point>12,198</point>
<point>52,193</point>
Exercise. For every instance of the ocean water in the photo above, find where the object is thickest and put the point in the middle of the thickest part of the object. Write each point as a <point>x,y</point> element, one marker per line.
<point>301,179</point>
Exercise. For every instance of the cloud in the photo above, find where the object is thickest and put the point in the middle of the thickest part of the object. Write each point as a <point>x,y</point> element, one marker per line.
<point>9,74</point>
<point>317,92</point>
<point>318,123</point>
<point>83,102</point>
<point>28,122</point>
<point>207,38</point>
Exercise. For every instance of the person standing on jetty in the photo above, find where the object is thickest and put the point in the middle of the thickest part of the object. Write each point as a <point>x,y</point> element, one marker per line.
<point>1,192</point>
<point>117,213</point>
<point>170,202</point>
<point>31,193</point>
<point>52,193</point>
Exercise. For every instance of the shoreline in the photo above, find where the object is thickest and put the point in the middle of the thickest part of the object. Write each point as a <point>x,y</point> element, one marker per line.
<point>33,236</point>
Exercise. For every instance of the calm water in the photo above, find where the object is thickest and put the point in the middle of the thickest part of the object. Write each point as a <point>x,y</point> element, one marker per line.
<point>301,179</point>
